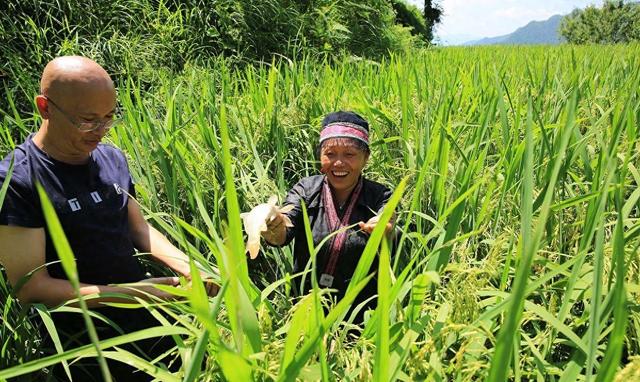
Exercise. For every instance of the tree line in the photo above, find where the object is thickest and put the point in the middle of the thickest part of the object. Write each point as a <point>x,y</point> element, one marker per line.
<point>615,22</point>
<point>140,37</point>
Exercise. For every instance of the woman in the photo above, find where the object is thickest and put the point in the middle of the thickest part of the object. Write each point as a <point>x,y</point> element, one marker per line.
<point>340,197</point>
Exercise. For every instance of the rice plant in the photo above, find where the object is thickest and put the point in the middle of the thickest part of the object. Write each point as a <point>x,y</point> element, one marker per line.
<point>516,182</point>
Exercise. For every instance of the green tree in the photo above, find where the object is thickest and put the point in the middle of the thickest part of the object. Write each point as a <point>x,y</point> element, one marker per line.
<point>409,16</point>
<point>432,13</point>
<point>616,22</point>
<point>421,24</point>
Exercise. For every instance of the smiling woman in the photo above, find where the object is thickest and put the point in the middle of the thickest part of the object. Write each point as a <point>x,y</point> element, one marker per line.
<point>339,198</point>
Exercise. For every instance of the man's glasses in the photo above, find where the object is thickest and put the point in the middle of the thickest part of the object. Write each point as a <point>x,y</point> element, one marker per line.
<point>86,126</point>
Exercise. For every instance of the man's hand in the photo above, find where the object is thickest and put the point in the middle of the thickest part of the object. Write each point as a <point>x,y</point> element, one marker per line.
<point>369,226</point>
<point>147,290</point>
<point>210,286</point>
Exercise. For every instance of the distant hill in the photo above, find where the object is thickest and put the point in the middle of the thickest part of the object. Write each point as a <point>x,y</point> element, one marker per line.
<point>536,32</point>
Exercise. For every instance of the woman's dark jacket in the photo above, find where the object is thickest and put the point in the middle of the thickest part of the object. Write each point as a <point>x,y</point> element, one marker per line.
<point>371,202</point>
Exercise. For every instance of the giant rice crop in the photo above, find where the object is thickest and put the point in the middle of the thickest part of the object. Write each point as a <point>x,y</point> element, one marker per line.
<point>516,181</point>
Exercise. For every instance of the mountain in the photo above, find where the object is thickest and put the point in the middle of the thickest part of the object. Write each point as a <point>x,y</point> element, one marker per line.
<point>453,39</point>
<point>536,32</point>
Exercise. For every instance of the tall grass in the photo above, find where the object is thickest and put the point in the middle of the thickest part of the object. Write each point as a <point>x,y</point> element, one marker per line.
<point>516,177</point>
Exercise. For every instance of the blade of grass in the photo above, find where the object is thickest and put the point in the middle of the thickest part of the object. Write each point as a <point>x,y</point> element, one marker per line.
<point>381,365</point>
<point>530,240</point>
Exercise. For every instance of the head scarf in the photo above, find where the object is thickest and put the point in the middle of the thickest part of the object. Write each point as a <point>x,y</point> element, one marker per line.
<point>344,124</point>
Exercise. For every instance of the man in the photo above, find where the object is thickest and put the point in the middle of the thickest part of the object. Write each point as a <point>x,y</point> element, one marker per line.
<point>91,189</point>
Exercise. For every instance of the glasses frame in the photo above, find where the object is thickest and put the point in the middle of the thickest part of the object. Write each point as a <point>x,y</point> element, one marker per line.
<point>85,126</point>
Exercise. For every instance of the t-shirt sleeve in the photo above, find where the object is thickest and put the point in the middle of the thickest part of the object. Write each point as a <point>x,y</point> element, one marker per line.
<point>294,198</point>
<point>128,184</point>
<point>132,184</point>
<point>21,206</point>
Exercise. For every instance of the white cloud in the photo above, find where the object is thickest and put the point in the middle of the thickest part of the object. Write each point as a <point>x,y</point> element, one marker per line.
<point>518,13</point>
<point>488,18</point>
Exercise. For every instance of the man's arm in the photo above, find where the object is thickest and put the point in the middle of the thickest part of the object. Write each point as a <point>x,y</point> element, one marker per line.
<point>22,250</point>
<point>148,239</point>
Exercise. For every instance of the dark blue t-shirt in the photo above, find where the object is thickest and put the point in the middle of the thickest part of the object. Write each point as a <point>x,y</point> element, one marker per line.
<point>91,203</point>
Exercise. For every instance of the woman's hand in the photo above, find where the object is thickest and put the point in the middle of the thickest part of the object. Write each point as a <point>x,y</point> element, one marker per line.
<point>371,224</point>
<point>276,230</point>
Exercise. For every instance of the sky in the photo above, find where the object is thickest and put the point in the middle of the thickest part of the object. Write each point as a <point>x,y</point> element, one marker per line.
<point>466,20</point>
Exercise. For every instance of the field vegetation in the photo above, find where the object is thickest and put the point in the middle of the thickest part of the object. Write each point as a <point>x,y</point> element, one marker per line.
<point>616,22</point>
<point>137,38</point>
<point>516,181</point>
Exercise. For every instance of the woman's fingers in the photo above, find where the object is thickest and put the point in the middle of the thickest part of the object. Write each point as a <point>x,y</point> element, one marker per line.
<point>367,227</point>
<point>276,221</point>
<point>273,226</point>
<point>370,225</point>
<point>271,221</point>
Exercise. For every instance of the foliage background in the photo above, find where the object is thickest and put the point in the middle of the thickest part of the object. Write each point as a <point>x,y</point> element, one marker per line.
<point>519,216</point>
<point>140,38</point>
<point>616,22</point>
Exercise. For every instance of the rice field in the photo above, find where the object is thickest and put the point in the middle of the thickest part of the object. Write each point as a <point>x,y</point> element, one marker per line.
<point>515,172</point>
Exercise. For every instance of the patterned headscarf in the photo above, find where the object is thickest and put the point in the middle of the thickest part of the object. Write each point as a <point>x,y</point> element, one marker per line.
<point>344,124</point>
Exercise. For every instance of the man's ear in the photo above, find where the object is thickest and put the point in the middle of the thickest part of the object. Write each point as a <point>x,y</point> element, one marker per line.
<point>43,106</point>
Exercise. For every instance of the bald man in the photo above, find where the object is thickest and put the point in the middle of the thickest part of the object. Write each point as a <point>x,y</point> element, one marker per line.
<point>91,189</point>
